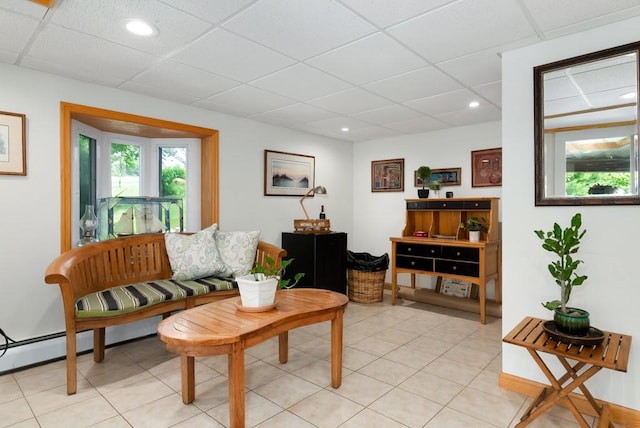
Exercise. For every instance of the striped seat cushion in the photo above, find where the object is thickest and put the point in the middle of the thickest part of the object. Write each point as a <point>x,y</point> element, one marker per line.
<point>129,298</point>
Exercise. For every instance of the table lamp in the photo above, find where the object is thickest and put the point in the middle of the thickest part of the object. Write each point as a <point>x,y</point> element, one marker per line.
<point>320,190</point>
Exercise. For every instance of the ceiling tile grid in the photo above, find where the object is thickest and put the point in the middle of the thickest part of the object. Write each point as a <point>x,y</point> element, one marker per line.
<point>379,67</point>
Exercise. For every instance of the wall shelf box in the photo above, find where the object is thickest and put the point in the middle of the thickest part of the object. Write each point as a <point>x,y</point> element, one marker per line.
<point>122,216</point>
<point>446,251</point>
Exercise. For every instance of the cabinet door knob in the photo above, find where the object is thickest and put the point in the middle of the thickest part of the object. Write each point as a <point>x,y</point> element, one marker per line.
<point>433,251</point>
<point>455,268</point>
<point>458,253</point>
<point>444,205</point>
<point>409,250</point>
<point>413,263</point>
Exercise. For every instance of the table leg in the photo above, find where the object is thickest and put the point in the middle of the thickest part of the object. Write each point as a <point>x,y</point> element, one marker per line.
<point>483,303</point>
<point>394,286</point>
<point>188,378</point>
<point>336,349</point>
<point>236,386</point>
<point>283,347</point>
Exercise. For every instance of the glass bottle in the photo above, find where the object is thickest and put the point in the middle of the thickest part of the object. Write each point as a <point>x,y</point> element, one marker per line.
<point>322,214</point>
<point>88,225</point>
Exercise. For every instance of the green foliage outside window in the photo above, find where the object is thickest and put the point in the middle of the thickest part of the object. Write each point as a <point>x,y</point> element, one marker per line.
<point>579,183</point>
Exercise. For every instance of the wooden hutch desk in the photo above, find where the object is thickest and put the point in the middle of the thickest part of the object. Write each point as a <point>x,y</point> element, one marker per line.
<point>612,353</point>
<point>446,250</point>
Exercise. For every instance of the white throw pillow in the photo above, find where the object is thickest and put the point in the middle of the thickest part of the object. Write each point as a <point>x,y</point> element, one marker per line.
<point>194,256</point>
<point>238,251</point>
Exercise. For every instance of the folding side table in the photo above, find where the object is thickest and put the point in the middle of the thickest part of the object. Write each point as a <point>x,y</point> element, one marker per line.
<point>612,353</point>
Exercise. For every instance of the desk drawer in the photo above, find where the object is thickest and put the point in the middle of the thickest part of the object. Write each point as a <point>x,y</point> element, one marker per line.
<point>458,268</point>
<point>418,250</point>
<point>417,263</point>
<point>461,253</point>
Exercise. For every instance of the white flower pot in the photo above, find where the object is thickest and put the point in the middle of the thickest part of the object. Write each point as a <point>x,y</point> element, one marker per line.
<point>474,235</point>
<point>255,294</point>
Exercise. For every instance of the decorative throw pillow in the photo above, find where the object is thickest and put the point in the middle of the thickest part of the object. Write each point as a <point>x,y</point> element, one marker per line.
<point>238,251</point>
<point>194,256</point>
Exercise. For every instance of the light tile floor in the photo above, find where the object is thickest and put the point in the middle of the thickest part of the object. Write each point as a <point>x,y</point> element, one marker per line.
<point>409,365</point>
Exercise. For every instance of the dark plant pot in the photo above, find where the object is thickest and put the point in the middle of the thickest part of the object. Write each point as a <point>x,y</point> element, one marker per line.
<point>423,193</point>
<point>574,322</point>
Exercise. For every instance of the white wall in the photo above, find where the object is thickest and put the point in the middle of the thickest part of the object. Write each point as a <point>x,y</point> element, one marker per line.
<point>30,206</point>
<point>380,215</point>
<point>609,249</point>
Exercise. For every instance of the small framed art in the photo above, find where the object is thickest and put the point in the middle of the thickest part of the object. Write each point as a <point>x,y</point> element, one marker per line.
<point>13,144</point>
<point>486,167</point>
<point>288,174</point>
<point>446,177</point>
<point>387,175</point>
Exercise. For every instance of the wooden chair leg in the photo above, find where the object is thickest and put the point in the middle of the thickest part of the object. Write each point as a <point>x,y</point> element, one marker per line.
<point>98,344</point>
<point>72,375</point>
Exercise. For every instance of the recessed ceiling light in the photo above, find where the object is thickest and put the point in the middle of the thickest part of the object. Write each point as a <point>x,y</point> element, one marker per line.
<point>345,129</point>
<point>628,95</point>
<point>139,27</point>
<point>474,104</point>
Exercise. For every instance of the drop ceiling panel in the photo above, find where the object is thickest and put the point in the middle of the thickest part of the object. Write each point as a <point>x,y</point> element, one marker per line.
<point>22,7</point>
<point>103,19</point>
<point>174,78</point>
<point>15,31</point>
<point>463,27</point>
<point>300,29</point>
<point>212,11</point>
<point>384,13</point>
<point>301,82</point>
<point>232,56</point>
<point>474,69</point>
<point>570,12</point>
<point>484,113</point>
<point>444,103</point>
<point>491,92</point>
<point>424,82</point>
<point>414,126</point>
<point>351,101</point>
<point>389,114</point>
<point>369,59</point>
<point>297,113</point>
<point>246,100</point>
<point>84,73</point>
<point>77,50</point>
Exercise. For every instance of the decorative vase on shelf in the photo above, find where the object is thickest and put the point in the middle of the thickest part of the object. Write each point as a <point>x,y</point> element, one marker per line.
<point>88,224</point>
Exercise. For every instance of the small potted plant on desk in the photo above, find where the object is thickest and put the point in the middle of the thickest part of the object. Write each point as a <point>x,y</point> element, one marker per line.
<point>424,174</point>
<point>475,225</point>
<point>565,243</point>
<point>258,289</point>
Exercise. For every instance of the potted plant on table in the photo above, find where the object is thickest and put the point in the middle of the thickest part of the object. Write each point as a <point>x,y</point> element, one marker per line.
<point>258,288</point>
<point>565,243</point>
<point>475,225</point>
<point>424,174</point>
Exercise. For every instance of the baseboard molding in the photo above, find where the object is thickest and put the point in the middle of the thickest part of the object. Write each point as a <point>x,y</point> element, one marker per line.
<point>43,350</point>
<point>619,415</point>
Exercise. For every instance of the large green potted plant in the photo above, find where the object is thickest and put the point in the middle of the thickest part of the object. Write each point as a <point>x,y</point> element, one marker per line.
<point>424,174</point>
<point>258,288</point>
<point>565,243</point>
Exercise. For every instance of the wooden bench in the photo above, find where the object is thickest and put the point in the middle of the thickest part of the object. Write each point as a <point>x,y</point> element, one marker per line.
<point>123,262</point>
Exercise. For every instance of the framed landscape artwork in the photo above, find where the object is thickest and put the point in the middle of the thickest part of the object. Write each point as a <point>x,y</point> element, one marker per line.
<point>486,168</point>
<point>446,177</point>
<point>13,144</point>
<point>288,174</point>
<point>387,175</point>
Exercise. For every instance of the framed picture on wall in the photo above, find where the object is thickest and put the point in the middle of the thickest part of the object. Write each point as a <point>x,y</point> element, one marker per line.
<point>387,175</point>
<point>446,177</point>
<point>288,174</point>
<point>486,167</point>
<point>13,144</point>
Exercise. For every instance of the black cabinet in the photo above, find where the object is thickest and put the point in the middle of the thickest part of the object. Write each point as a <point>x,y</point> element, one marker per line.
<point>322,257</point>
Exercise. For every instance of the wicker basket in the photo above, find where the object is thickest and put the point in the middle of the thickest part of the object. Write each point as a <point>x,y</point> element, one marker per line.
<point>365,287</point>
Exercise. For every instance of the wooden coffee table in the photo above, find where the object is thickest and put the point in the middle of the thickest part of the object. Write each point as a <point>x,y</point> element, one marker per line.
<point>221,328</point>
